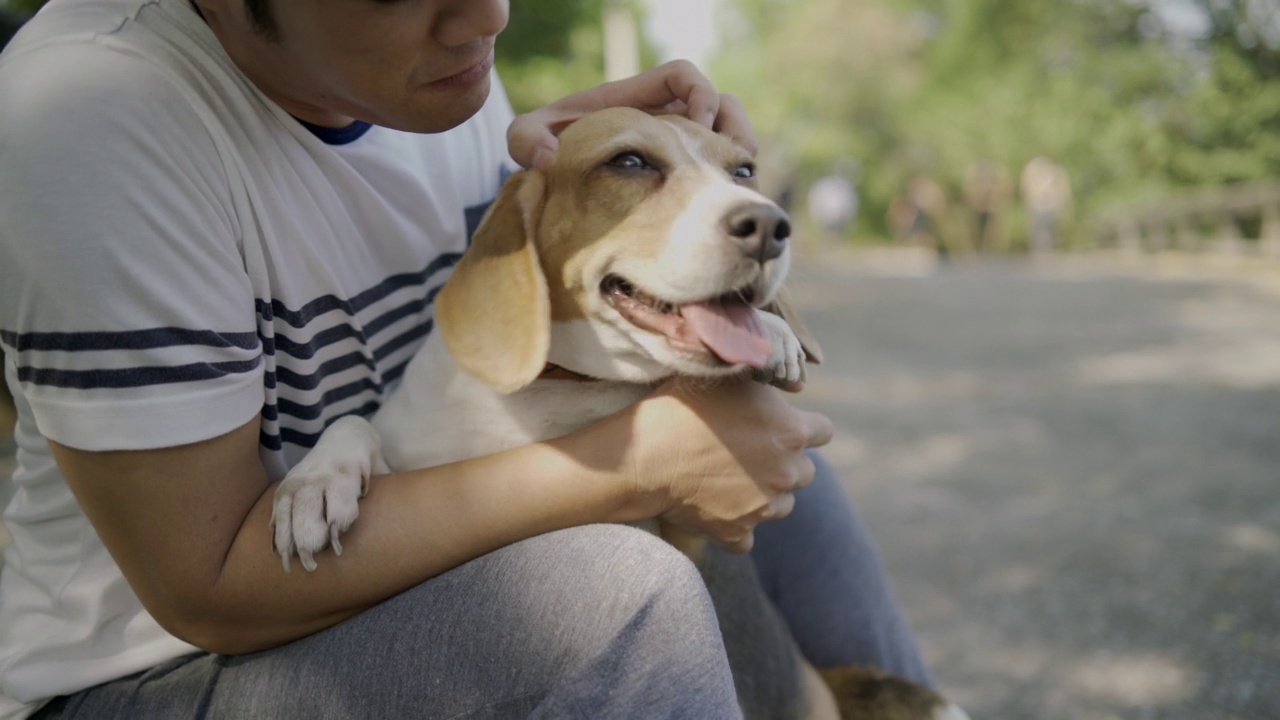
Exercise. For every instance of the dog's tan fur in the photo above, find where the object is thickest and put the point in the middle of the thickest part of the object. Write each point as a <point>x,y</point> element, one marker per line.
<point>530,291</point>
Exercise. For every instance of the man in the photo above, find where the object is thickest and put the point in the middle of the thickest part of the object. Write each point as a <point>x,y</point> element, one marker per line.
<point>224,224</point>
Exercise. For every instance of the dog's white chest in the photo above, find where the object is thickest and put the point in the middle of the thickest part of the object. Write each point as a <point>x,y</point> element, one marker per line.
<point>440,414</point>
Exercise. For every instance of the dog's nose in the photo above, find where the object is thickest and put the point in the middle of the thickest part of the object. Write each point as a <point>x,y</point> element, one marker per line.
<point>760,229</point>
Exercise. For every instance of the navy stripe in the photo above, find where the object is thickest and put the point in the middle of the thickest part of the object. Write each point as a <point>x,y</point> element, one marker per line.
<point>394,373</point>
<point>338,333</point>
<point>336,365</point>
<point>338,394</point>
<point>391,317</point>
<point>321,340</point>
<point>285,376</point>
<point>328,303</point>
<point>126,340</point>
<point>308,440</point>
<point>134,377</point>
<point>396,343</point>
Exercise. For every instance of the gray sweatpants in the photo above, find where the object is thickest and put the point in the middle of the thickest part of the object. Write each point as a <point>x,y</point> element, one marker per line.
<point>600,621</point>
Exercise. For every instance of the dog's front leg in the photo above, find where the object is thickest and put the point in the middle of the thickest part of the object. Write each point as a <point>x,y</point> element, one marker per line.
<point>318,500</point>
<point>787,361</point>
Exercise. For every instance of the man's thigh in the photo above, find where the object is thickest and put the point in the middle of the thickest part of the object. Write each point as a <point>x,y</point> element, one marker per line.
<point>594,618</point>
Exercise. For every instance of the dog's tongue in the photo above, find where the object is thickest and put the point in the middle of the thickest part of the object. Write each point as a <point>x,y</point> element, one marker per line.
<point>731,331</point>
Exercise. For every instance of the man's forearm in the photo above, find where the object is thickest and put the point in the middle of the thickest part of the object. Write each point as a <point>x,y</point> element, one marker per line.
<point>412,526</point>
<point>190,529</point>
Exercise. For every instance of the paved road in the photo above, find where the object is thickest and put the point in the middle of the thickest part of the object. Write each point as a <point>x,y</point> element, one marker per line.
<point>1074,478</point>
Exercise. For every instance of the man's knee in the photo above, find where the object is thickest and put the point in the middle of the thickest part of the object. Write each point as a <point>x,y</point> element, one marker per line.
<point>648,629</point>
<point>630,561</point>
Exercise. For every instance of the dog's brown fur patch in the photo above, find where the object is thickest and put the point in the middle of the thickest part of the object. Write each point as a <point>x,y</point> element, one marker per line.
<point>865,693</point>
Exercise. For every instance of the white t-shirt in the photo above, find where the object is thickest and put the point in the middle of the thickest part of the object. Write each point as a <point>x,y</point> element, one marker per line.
<point>177,256</point>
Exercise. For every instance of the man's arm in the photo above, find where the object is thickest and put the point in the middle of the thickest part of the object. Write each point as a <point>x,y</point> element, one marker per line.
<point>189,525</point>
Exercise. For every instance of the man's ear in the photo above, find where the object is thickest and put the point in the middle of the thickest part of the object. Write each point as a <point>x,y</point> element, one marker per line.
<point>494,312</point>
<point>782,305</point>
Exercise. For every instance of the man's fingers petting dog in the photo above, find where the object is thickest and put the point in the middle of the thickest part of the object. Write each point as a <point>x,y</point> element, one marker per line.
<point>732,121</point>
<point>674,87</point>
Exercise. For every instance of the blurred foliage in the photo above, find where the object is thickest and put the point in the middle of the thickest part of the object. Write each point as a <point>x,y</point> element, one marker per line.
<point>552,48</point>
<point>906,88</point>
<point>28,7</point>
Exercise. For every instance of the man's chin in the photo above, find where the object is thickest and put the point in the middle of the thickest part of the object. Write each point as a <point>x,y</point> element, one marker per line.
<point>436,112</point>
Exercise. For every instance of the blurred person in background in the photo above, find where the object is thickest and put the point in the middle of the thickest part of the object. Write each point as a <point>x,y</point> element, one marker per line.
<point>987,190</point>
<point>833,202</point>
<point>914,217</point>
<point>1046,195</point>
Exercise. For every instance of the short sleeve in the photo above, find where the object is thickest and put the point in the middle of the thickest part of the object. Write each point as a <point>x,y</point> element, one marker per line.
<point>125,308</point>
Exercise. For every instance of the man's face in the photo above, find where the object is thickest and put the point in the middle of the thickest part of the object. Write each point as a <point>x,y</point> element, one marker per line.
<point>417,65</point>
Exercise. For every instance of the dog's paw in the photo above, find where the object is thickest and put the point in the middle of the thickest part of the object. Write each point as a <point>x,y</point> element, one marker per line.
<point>787,361</point>
<point>319,499</point>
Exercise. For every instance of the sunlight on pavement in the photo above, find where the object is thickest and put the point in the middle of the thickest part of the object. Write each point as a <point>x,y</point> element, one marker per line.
<point>1230,341</point>
<point>1139,681</point>
<point>1253,538</point>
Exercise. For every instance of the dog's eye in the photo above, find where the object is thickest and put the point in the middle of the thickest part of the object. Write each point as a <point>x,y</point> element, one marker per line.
<point>630,160</point>
<point>745,171</point>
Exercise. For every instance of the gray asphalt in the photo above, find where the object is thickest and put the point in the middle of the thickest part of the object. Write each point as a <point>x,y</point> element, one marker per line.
<point>1073,475</point>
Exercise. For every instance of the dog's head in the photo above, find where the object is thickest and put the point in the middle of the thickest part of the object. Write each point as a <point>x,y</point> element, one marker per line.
<point>642,253</point>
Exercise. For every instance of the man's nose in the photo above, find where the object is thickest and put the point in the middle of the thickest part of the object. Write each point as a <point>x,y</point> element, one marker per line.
<point>462,21</point>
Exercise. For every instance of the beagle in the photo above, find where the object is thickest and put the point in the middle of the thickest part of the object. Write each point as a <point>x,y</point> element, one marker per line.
<point>643,253</point>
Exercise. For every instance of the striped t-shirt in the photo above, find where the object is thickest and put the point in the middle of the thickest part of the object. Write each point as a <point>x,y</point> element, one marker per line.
<point>178,256</point>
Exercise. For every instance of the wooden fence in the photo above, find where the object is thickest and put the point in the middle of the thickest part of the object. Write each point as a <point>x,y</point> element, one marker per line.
<point>1242,219</point>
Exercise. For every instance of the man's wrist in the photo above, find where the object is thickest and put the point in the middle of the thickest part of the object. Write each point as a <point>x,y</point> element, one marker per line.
<point>605,454</point>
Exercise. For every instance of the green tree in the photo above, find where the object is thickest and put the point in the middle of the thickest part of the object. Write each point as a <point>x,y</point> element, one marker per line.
<point>550,49</point>
<point>27,7</point>
<point>930,87</point>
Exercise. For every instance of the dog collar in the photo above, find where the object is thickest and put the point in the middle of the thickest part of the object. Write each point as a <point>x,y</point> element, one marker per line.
<point>555,372</point>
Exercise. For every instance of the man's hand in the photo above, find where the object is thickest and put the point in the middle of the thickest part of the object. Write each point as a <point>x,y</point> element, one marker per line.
<point>677,87</point>
<point>719,459</point>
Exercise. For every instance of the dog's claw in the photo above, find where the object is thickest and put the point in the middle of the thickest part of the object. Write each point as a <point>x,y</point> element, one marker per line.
<point>333,539</point>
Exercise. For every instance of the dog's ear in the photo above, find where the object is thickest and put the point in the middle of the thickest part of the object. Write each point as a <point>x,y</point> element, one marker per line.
<point>783,305</point>
<point>494,312</point>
